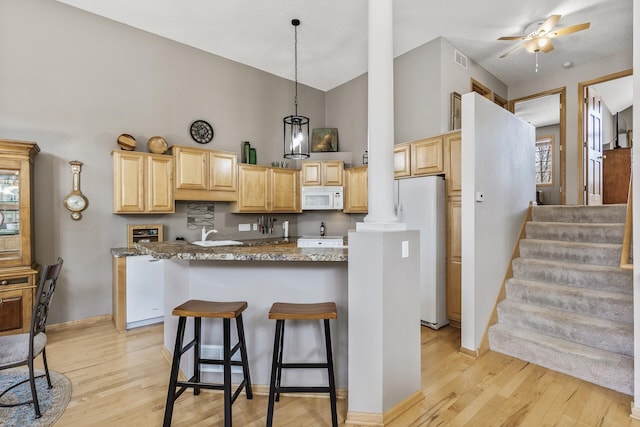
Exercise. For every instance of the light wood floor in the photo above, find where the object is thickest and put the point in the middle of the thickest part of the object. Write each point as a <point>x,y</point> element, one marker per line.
<point>121,379</point>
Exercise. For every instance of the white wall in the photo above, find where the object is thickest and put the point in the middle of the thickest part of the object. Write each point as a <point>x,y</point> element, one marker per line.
<point>72,82</point>
<point>497,160</point>
<point>570,79</point>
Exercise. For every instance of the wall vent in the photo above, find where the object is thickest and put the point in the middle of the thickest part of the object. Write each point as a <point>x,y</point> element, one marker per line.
<point>215,352</point>
<point>460,58</point>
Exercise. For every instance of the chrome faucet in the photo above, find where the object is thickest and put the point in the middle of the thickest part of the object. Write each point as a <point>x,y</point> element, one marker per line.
<point>206,233</point>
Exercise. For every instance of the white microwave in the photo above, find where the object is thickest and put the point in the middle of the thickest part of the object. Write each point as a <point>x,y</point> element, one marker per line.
<point>322,198</point>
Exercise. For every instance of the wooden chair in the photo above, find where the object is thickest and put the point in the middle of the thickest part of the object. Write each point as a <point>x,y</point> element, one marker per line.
<point>22,349</point>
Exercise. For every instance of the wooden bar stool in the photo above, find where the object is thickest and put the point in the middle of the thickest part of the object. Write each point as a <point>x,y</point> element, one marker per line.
<point>218,310</point>
<point>284,311</point>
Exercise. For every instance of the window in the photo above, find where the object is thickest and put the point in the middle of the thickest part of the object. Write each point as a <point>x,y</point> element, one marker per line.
<point>544,160</point>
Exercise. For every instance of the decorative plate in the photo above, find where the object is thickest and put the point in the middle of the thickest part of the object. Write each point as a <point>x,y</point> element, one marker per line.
<point>201,132</point>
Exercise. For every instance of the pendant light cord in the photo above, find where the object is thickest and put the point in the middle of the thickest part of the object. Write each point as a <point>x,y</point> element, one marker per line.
<point>295,56</point>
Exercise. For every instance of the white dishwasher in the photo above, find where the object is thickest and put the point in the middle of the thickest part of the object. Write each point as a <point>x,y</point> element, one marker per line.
<point>145,291</point>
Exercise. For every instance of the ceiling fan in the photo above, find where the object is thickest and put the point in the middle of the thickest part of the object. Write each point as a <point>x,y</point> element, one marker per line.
<point>539,40</point>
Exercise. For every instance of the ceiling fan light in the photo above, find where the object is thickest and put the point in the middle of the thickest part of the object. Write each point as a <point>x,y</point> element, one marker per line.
<point>537,44</point>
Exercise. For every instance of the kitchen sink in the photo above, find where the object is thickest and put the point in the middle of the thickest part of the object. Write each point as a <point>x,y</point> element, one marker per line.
<point>211,243</point>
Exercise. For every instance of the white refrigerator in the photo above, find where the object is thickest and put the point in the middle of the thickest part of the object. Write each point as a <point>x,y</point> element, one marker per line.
<point>420,203</point>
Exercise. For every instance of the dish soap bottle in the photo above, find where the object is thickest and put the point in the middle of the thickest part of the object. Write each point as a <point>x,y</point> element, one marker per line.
<point>322,229</point>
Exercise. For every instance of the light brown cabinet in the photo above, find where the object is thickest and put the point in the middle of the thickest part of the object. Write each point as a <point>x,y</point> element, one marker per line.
<point>142,183</point>
<point>427,156</point>
<point>18,276</point>
<point>284,190</point>
<point>322,173</point>
<point>402,160</point>
<point>453,185</point>
<point>356,196</point>
<point>205,174</point>
<point>264,189</point>
<point>418,158</point>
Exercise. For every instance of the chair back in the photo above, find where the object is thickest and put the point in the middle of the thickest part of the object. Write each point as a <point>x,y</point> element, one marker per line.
<point>47,285</point>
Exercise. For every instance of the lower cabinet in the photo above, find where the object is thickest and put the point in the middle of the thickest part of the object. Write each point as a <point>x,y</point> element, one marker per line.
<point>17,291</point>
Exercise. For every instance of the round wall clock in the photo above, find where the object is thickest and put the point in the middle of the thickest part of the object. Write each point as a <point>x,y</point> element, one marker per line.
<point>201,132</point>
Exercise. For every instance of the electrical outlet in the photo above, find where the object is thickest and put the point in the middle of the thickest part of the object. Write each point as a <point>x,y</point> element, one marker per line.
<point>405,249</point>
<point>244,227</point>
<point>255,227</point>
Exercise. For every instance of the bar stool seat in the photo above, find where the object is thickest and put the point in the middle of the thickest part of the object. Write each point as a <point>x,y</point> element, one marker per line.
<point>280,312</point>
<point>218,310</point>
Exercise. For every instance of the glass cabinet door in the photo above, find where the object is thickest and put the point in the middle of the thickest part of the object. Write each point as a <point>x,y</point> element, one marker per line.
<point>10,246</point>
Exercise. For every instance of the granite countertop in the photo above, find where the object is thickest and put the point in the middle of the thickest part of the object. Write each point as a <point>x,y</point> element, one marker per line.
<point>278,249</point>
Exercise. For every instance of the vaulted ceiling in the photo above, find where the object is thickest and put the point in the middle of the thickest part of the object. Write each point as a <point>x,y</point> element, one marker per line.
<point>333,34</point>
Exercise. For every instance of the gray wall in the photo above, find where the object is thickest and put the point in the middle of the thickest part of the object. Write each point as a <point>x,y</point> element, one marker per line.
<point>72,82</point>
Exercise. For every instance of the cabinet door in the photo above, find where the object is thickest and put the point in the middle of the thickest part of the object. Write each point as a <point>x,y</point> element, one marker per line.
<point>128,182</point>
<point>453,179</point>
<point>454,260</point>
<point>355,190</point>
<point>253,189</point>
<point>285,190</point>
<point>159,183</point>
<point>332,173</point>
<point>311,173</point>
<point>11,311</point>
<point>192,168</point>
<point>16,302</point>
<point>426,156</point>
<point>222,174</point>
<point>402,160</point>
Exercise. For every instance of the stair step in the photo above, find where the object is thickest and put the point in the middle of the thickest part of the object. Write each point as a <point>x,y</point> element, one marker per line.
<point>602,304</point>
<point>575,232</point>
<point>586,330</point>
<point>613,279</point>
<point>582,253</point>
<point>605,368</point>
<point>591,214</point>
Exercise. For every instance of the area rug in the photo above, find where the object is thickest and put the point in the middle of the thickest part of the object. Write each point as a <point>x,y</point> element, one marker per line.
<point>53,401</point>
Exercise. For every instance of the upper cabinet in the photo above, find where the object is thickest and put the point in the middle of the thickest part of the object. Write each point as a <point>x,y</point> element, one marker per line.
<point>417,158</point>
<point>205,174</point>
<point>402,160</point>
<point>322,173</point>
<point>142,183</point>
<point>264,189</point>
<point>356,197</point>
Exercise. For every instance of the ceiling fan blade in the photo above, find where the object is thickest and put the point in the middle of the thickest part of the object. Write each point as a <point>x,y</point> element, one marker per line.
<point>548,24</point>
<point>512,50</point>
<point>514,38</point>
<point>570,29</point>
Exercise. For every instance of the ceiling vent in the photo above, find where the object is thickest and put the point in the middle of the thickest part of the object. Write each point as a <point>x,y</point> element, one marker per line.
<point>460,58</point>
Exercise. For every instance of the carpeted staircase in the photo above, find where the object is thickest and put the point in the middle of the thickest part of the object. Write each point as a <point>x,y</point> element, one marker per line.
<point>569,306</point>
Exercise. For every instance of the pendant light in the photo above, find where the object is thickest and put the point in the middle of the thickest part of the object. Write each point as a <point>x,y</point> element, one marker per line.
<point>296,128</point>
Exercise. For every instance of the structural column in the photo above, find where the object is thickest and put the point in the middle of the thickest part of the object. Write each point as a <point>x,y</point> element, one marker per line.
<point>384,294</point>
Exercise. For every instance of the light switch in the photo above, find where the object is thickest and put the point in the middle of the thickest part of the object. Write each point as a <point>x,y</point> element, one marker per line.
<point>244,227</point>
<point>405,249</point>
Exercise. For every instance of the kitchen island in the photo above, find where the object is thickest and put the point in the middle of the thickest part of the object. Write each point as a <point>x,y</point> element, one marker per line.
<point>260,272</point>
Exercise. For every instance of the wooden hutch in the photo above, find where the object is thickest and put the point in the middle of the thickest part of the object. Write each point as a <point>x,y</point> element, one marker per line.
<point>18,274</point>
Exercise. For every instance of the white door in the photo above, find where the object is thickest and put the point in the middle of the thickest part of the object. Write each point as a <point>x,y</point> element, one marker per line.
<point>593,148</point>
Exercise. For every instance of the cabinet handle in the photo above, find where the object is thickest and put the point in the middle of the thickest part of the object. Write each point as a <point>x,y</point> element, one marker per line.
<point>4,282</point>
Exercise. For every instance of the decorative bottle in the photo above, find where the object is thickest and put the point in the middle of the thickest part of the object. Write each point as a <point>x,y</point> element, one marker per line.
<point>322,229</point>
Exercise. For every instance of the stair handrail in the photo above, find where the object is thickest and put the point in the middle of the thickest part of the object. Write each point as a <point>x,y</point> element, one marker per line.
<point>626,258</point>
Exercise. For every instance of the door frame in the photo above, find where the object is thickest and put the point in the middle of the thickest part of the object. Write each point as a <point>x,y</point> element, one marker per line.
<point>581,112</point>
<point>562,91</point>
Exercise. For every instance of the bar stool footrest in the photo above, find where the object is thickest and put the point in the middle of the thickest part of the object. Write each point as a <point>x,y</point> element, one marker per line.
<point>303,365</point>
<point>313,389</point>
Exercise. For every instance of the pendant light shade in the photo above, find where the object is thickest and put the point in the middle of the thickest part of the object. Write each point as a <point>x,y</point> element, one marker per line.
<point>296,128</point>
